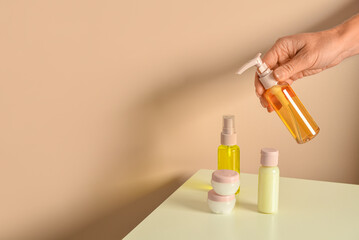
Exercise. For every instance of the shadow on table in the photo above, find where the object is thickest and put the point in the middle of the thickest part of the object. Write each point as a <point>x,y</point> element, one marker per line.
<point>248,206</point>
<point>198,185</point>
<point>200,204</point>
<point>191,201</point>
<point>193,204</point>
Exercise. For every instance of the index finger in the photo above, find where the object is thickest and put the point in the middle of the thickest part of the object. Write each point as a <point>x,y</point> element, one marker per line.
<point>271,57</point>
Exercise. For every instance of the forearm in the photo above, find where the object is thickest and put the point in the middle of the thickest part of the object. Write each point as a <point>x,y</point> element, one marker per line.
<point>349,36</point>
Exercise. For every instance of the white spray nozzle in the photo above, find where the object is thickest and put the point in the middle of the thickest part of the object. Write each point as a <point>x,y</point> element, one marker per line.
<point>256,61</point>
<point>228,135</point>
<point>228,124</point>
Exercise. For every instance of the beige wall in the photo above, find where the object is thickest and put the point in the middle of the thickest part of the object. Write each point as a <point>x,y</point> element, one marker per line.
<point>107,106</point>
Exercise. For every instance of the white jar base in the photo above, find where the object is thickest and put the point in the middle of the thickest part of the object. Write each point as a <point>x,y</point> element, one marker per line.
<point>221,207</point>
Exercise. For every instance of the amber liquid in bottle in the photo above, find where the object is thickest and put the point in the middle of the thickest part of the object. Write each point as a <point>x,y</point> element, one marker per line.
<point>292,112</point>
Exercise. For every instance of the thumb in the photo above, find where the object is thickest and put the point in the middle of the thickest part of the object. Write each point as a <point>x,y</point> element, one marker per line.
<point>290,68</point>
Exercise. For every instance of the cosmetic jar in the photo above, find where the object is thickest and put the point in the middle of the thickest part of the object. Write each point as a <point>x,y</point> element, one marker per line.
<point>221,203</point>
<point>225,182</point>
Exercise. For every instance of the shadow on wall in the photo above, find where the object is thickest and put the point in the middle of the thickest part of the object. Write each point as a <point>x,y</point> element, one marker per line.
<point>169,107</point>
<point>183,101</point>
<point>122,220</point>
<point>340,16</point>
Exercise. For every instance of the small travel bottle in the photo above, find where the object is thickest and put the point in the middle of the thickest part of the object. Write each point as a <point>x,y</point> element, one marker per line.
<point>228,151</point>
<point>285,102</point>
<point>268,181</point>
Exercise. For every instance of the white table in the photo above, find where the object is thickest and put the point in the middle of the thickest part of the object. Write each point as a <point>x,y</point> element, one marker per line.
<point>307,210</point>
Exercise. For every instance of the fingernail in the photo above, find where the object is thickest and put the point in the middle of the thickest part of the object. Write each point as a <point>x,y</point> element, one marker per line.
<point>264,103</point>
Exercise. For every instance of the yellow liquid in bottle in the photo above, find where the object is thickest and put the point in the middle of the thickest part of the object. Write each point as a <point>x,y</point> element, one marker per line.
<point>228,158</point>
<point>292,112</point>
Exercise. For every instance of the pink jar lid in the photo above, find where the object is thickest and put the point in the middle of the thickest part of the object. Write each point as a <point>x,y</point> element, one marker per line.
<point>225,176</point>
<point>212,195</point>
<point>269,157</point>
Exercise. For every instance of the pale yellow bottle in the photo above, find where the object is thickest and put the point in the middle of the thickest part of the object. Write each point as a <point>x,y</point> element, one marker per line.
<point>285,102</point>
<point>228,151</point>
<point>268,181</point>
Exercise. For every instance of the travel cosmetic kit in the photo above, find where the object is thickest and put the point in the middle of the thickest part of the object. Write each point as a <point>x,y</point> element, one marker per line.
<point>225,180</point>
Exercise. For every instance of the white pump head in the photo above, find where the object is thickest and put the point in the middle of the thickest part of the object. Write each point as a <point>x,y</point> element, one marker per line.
<point>256,61</point>
<point>265,74</point>
<point>228,135</point>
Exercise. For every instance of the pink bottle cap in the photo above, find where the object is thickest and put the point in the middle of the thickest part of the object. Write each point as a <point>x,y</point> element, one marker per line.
<point>212,195</point>
<point>269,157</point>
<point>225,176</point>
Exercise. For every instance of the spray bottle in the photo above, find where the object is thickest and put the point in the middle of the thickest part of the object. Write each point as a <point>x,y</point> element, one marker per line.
<point>285,102</point>
<point>228,151</point>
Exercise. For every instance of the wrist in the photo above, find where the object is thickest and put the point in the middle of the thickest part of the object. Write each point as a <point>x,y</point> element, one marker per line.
<point>348,36</point>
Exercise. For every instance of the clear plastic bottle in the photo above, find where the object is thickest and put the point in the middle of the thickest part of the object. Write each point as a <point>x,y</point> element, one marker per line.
<point>228,151</point>
<point>285,102</point>
<point>268,181</point>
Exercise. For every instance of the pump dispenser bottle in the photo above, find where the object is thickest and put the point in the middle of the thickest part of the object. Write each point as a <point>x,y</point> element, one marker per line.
<point>228,151</point>
<point>285,102</point>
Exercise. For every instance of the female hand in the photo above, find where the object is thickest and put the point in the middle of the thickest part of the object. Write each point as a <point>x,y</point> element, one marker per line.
<point>297,56</point>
